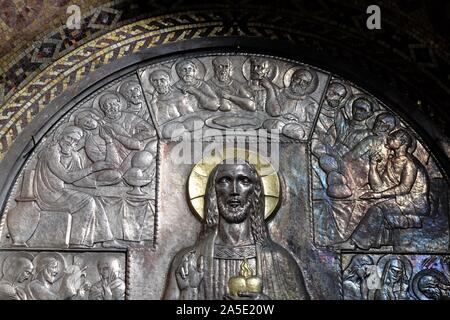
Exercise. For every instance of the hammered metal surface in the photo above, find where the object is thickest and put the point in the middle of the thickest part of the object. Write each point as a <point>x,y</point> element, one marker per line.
<point>330,194</point>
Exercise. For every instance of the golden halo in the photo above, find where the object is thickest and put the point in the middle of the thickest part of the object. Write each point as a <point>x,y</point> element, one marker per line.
<point>198,178</point>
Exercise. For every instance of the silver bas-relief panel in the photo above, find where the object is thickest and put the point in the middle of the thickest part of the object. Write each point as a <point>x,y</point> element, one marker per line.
<point>91,182</point>
<point>395,277</point>
<point>228,176</point>
<point>52,275</point>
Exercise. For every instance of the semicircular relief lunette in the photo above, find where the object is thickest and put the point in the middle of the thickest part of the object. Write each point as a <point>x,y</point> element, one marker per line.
<point>101,209</point>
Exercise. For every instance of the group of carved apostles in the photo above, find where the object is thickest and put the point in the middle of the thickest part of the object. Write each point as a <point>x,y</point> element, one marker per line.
<point>104,147</point>
<point>368,161</point>
<point>291,105</point>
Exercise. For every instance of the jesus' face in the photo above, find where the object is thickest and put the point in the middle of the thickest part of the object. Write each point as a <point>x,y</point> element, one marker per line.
<point>235,185</point>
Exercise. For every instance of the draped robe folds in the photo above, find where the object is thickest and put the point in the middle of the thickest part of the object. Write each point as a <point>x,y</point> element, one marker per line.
<point>281,276</point>
<point>231,87</point>
<point>89,221</point>
<point>326,120</point>
<point>348,214</point>
<point>131,219</point>
<point>406,178</point>
<point>347,132</point>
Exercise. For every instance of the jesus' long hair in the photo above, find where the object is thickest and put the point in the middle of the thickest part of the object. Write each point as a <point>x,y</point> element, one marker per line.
<point>258,227</point>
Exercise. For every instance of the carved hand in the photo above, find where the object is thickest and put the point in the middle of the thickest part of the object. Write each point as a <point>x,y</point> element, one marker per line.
<point>375,159</point>
<point>107,291</point>
<point>371,195</point>
<point>225,105</point>
<point>84,290</point>
<point>74,283</point>
<point>108,131</point>
<point>190,272</point>
<point>104,134</point>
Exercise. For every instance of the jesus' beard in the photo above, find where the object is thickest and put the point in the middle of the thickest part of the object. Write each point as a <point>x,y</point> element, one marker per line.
<point>234,214</point>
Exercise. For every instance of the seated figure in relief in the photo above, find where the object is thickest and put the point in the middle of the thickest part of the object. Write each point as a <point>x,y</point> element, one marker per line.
<point>235,242</point>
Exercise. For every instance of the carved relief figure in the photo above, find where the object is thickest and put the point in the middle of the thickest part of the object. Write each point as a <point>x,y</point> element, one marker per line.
<point>298,108</point>
<point>334,99</point>
<point>355,278</point>
<point>373,146</point>
<point>61,165</point>
<point>233,95</point>
<point>295,100</point>
<point>263,90</point>
<point>110,286</point>
<point>347,132</point>
<point>17,268</point>
<point>197,94</point>
<point>128,131</point>
<point>166,102</point>
<point>348,175</point>
<point>87,171</point>
<point>403,185</point>
<point>235,238</point>
<point>98,146</point>
<point>384,124</point>
<point>132,91</point>
<point>433,289</point>
<point>394,280</point>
